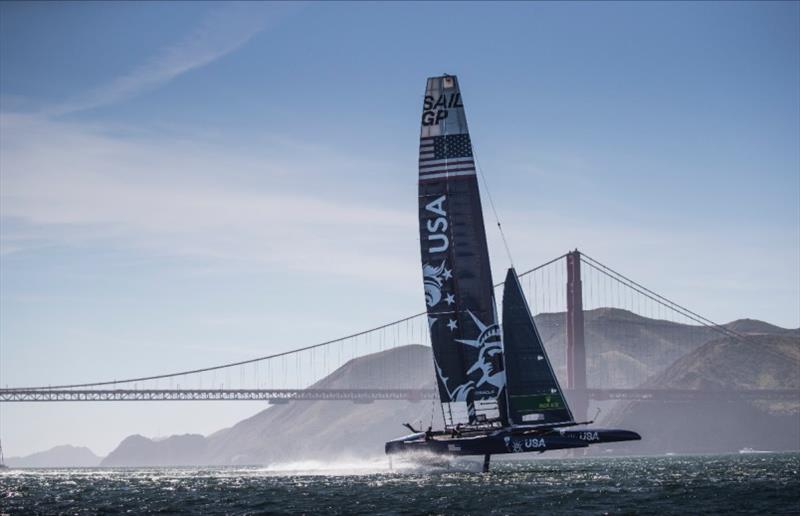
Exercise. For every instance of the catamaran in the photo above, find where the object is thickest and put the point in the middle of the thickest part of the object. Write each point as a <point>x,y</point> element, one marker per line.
<point>497,388</point>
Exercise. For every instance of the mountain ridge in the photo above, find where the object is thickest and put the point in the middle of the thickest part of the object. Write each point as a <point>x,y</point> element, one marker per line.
<point>64,455</point>
<point>752,361</point>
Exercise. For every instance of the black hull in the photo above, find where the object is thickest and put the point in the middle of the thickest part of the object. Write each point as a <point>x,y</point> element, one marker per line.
<point>506,441</point>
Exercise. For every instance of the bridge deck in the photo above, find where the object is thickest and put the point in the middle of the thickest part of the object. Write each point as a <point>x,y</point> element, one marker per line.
<point>361,395</point>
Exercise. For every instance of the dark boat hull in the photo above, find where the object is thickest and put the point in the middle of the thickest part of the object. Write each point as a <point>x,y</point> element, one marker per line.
<point>506,441</point>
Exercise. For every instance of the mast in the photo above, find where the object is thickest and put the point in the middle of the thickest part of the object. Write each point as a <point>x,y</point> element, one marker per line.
<point>462,316</point>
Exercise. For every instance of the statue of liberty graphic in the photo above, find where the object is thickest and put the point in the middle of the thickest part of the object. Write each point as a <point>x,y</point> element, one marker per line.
<point>487,372</point>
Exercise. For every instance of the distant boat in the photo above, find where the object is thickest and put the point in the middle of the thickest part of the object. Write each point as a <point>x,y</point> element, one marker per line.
<point>748,451</point>
<point>498,391</point>
<point>2,459</point>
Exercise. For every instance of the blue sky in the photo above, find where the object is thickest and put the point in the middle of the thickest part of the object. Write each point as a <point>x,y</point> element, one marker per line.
<point>183,184</point>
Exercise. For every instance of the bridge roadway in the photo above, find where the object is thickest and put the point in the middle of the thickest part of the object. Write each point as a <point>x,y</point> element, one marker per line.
<point>279,396</point>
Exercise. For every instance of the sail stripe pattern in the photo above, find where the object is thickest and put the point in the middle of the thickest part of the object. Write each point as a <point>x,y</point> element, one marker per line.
<point>448,154</point>
<point>465,335</point>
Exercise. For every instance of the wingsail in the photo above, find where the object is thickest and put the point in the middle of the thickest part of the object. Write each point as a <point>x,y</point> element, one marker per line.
<point>534,395</point>
<point>465,335</point>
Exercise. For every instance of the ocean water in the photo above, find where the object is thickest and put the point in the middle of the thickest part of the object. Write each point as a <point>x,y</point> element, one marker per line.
<point>721,484</point>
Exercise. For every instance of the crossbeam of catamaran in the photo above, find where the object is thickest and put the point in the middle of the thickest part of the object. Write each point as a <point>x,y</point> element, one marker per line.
<point>498,390</point>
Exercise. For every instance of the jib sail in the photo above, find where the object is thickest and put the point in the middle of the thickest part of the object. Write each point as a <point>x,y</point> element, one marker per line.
<point>534,396</point>
<point>466,339</point>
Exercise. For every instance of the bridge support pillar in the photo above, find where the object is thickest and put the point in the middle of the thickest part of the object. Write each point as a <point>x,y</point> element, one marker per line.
<point>576,348</point>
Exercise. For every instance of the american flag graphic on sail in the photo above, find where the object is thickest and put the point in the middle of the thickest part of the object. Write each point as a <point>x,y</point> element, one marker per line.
<point>445,156</point>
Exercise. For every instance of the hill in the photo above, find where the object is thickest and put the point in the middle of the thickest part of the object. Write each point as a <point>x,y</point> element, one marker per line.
<point>136,450</point>
<point>624,349</point>
<point>755,327</point>
<point>757,361</point>
<point>57,457</point>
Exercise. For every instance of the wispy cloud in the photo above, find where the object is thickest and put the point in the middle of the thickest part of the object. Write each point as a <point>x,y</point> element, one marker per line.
<point>70,184</point>
<point>224,29</point>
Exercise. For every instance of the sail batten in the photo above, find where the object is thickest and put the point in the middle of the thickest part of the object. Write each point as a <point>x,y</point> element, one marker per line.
<point>465,334</point>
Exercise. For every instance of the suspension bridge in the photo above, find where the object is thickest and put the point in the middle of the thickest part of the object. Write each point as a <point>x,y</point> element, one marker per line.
<point>607,336</point>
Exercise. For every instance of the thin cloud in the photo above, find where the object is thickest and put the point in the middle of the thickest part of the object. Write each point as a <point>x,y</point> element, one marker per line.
<point>223,30</point>
<point>71,184</point>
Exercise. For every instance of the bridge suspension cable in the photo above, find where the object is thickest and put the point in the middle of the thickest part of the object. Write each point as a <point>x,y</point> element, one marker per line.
<point>257,359</point>
<point>689,314</point>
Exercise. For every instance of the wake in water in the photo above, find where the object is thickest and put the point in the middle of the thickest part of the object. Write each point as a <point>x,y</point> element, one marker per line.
<point>344,466</point>
<point>416,464</point>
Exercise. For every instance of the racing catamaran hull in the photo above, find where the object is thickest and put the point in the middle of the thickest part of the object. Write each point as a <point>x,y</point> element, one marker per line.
<point>506,440</point>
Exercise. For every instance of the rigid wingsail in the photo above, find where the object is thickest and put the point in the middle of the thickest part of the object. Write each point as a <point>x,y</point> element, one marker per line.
<point>497,389</point>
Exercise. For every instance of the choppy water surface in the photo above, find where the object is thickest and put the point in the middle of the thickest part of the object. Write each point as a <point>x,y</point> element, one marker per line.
<point>767,484</point>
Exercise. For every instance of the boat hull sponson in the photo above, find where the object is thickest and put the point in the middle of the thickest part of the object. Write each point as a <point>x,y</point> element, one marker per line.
<point>506,441</point>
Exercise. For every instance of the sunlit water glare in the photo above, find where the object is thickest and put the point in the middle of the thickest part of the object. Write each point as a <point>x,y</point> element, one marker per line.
<point>766,484</point>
